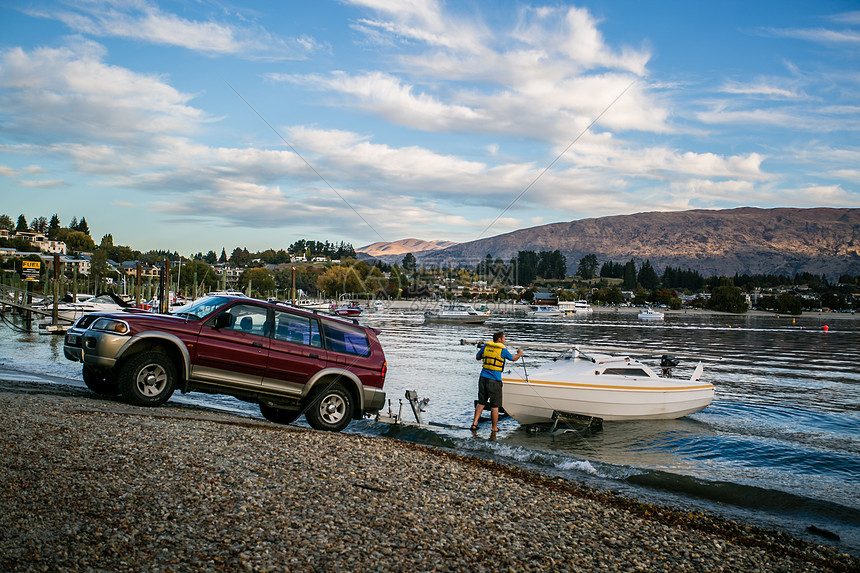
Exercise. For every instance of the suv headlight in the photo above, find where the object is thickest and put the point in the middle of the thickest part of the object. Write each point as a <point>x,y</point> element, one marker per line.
<point>111,325</point>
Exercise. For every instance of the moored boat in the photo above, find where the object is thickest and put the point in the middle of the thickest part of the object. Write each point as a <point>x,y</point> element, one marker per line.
<point>458,313</point>
<point>545,311</point>
<point>347,309</point>
<point>601,386</point>
<point>569,307</point>
<point>650,314</point>
<point>70,309</point>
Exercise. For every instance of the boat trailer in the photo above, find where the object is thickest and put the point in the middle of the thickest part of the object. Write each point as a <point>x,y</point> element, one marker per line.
<point>563,422</point>
<point>397,419</point>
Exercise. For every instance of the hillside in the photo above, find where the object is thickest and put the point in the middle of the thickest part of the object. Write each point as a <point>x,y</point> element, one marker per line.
<point>401,247</point>
<point>722,242</point>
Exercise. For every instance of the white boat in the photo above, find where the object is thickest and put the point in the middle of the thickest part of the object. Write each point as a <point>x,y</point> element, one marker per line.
<point>547,311</point>
<point>650,314</point>
<point>601,386</point>
<point>580,307</point>
<point>312,304</point>
<point>225,293</point>
<point>70,309</point>
<point>457,312</point>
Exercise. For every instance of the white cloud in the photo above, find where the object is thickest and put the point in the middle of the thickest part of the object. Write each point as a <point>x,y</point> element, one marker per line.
<point>547,77</point>
<point>42,184</point>
<point>71,91</point>
<point>145,21</point>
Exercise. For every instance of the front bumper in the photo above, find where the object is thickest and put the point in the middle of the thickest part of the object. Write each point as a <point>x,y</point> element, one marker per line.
<point>73,345</point>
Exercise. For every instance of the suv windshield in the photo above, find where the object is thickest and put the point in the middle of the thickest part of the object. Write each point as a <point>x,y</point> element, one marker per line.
<point>201,307</point>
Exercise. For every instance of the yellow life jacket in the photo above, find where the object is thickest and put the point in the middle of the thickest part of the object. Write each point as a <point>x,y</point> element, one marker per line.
<point>492,356</point>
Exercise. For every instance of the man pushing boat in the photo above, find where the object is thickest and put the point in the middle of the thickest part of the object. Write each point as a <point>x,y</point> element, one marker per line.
<point>493,354</point>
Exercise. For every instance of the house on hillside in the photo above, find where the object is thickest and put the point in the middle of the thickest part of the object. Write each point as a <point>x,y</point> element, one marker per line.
<point>39,240</point>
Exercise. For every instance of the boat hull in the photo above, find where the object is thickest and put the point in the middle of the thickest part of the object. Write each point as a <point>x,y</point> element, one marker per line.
<point>608,397</point>
<point>479,319</point>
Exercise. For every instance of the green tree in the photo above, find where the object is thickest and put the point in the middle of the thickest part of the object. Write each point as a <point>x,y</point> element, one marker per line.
<point>39,225</point>
<point>53,227</point>
<point>98,265</point>
<point>6,223</point>
<point>78,241</point>
<point>647,276</point>
<point>240,257</point>
<point>83,227</point>
<point>587,267</point>
<point>629,276</point>
<point>787,303</point>
<point>223,258</point>
<point>262,281</point>
<point>339,280</point>
<point>21,227</point>
<point>527,265</point>
<point>409,263</point>
<point>728,299</point>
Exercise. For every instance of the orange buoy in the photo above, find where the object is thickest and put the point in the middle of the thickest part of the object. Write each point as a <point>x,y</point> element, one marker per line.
<point>826,328</point>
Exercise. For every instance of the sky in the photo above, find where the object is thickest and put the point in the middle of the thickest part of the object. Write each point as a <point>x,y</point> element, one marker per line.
<point>201,125</point>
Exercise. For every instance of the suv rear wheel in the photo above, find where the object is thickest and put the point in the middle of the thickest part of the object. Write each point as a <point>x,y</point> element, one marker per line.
<point>330,408</point>
<point>278,415</point>
<point>147,379</point>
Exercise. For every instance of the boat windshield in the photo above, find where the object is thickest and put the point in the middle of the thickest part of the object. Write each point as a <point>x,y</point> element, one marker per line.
<point>201,307</point>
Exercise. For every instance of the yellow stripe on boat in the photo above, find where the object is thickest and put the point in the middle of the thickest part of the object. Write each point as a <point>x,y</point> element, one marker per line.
<point>610,387</point>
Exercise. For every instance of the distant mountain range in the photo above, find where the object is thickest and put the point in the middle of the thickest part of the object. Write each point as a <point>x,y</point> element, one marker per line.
<point>401,247</point>
<point>720,242</point>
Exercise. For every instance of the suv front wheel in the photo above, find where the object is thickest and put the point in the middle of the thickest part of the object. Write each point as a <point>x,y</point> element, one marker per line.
<point>147,379</point>
<point>99,382</point>
<point>330,408</point>
<point>279,415</point>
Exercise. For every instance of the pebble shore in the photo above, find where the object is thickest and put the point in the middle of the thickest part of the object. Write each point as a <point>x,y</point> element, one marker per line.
<point>89,483</point>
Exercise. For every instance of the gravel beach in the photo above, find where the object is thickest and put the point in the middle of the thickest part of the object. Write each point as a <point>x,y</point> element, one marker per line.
<point>92,484</point>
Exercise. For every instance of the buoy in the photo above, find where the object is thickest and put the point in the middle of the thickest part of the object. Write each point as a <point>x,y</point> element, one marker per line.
<point>826,328</point>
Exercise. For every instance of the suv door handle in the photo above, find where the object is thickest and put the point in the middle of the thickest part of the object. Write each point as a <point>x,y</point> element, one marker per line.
<point>257,344</point>
<point>314,356</point>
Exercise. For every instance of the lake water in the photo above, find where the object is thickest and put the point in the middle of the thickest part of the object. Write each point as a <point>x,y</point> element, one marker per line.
<point>779,446</point>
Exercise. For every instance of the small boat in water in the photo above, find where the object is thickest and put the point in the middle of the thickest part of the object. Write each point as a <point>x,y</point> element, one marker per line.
<point>574,307</point>
<point>595,385</point>
<point>347,309</point>
<point>459,313</point>
<point>650,314</point>
<point>545,311</point>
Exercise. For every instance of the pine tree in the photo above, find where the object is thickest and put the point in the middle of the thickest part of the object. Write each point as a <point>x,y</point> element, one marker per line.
<point>53,227</point>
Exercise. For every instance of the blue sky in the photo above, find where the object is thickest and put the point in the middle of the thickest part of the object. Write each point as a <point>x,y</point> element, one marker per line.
<point>196,126</point>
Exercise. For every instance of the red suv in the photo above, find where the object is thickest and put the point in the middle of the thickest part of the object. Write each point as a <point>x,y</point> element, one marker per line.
<point>289,361</point>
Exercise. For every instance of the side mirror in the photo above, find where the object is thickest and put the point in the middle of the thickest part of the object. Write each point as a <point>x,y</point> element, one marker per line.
<point>223,321</point>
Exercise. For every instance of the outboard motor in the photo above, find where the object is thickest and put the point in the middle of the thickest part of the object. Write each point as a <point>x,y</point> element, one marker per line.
<point>667,363</point>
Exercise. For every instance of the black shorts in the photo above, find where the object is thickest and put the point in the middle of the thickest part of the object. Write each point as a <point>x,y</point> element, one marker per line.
<point>489,392</point>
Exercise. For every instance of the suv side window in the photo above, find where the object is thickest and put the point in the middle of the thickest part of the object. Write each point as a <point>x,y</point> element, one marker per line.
<point>297,329</point>
<point>248,318</point>
<point>345,338</point>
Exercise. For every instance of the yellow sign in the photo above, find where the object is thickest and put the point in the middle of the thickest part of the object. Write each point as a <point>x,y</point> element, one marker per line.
<point>31,264</point>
